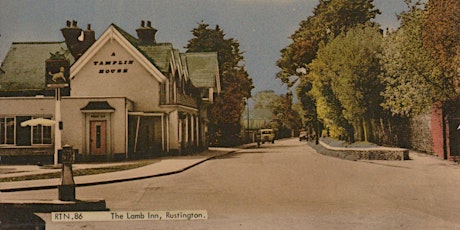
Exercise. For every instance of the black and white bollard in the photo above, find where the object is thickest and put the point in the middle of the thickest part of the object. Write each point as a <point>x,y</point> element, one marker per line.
<point>67,187</point>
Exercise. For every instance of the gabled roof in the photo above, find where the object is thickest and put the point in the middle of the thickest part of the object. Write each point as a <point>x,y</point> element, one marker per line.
<point>183,60</point>
<point>159,54</point>
<point>24,65</point>
<point>131,45</point>
<point>203,70</point>
<point>179,64</point>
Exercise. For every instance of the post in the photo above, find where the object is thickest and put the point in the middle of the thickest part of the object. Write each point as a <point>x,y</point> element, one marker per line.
<point>57,132</point>
<point>67,187</point>
<point>247,104</point>
<point>57,77</point>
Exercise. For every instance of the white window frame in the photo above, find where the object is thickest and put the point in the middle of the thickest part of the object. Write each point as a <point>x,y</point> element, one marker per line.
<point>32,136</point>
<point>3,120</point>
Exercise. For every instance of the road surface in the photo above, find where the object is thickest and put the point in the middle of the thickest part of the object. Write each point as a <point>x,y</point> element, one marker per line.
<point>287,185</point>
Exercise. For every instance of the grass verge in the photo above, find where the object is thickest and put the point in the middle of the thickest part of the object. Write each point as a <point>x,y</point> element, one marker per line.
<point>81,172</point>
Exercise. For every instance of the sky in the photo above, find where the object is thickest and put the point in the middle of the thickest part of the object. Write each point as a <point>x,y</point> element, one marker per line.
<point>262,27</point>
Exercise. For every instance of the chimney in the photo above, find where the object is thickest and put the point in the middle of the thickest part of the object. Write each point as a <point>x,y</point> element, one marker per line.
<point>71,34</point>
<point>89,38</point>
<point>146,34</point>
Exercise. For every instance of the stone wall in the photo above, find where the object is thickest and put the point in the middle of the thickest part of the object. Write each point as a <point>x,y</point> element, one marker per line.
<point>411,133</point>
<point>384,154</point>
<point>374,153</point>
<point>420,134</point>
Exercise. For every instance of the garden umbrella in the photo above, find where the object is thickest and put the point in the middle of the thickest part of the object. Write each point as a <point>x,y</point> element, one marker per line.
<point>38,121</point>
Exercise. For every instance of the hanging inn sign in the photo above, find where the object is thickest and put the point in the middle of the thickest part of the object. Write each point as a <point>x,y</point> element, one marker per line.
<point>57,71</point>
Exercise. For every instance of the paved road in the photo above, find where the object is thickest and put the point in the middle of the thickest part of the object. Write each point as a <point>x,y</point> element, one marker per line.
<point>287,185</point>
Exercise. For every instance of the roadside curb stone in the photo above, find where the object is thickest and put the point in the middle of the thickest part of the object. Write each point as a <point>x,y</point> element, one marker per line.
<point>98,179</point>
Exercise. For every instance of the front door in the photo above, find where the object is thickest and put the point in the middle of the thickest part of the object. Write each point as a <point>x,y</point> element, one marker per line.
<point>98,141</point>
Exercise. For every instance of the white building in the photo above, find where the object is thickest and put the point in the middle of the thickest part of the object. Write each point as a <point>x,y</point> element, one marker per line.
<point>127,97</point>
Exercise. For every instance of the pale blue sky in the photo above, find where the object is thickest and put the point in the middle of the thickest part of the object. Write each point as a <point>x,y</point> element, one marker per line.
<point>262,27</point>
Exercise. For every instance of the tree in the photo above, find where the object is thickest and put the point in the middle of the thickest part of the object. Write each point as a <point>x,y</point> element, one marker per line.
<point>308,109</point>
<point>412,80</point>
<point>441,36</point>
<point>235,81</point>
<point>265,99</point>
<point>328,107</point>
<point>330,17</point>
<point>347,71</point>
<point>287,119</point>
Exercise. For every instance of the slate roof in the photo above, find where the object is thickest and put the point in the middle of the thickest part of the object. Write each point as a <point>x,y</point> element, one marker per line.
<point>24,65</point>
<point>160,54</point>
<point>183,60</point>
<point>202,69</point>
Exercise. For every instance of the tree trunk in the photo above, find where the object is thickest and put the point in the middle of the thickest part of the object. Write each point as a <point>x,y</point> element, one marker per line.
<point>360,131</point>
<point>367,129</point>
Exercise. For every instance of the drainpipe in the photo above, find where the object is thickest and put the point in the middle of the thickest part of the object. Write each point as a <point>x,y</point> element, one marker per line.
<point>137,133</point>
<point>126,130</point>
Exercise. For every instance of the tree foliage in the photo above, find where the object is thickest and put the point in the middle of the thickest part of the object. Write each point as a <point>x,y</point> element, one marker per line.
<point>345,81</point>
<point>235,81</point>
<point>265,99</point>
<point>352,74</point>
<point>328,107</point>
<point>286,118</point>
<point>413,82</point>
<point>441,36</point>
<point>329,19</point>
<point>213,40</point>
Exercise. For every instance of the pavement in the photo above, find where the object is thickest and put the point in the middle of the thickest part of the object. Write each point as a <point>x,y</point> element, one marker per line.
<point>162,167</point>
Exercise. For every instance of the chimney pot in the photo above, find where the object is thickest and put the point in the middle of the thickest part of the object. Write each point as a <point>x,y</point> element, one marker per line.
<point>74,23</point>
<point>145,34</point>
<point>89,27</point>
<point>68,23</point>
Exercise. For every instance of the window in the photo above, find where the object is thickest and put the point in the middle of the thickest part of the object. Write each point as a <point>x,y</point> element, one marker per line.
<point>41,134</point>
<point>6,130</point>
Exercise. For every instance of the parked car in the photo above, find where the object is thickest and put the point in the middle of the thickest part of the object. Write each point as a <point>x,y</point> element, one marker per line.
<point>265,135</point>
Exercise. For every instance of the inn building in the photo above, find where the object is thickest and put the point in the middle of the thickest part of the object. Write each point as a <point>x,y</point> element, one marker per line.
<point>120,96</point>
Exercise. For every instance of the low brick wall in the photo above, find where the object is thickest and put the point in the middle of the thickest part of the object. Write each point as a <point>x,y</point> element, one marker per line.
<point>374,153</point>
<point>26,151</point>
<point>26,155</point>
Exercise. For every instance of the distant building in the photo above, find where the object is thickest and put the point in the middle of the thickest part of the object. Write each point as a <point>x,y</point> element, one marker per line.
<point>124,97</point>
<point>254,120</point>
